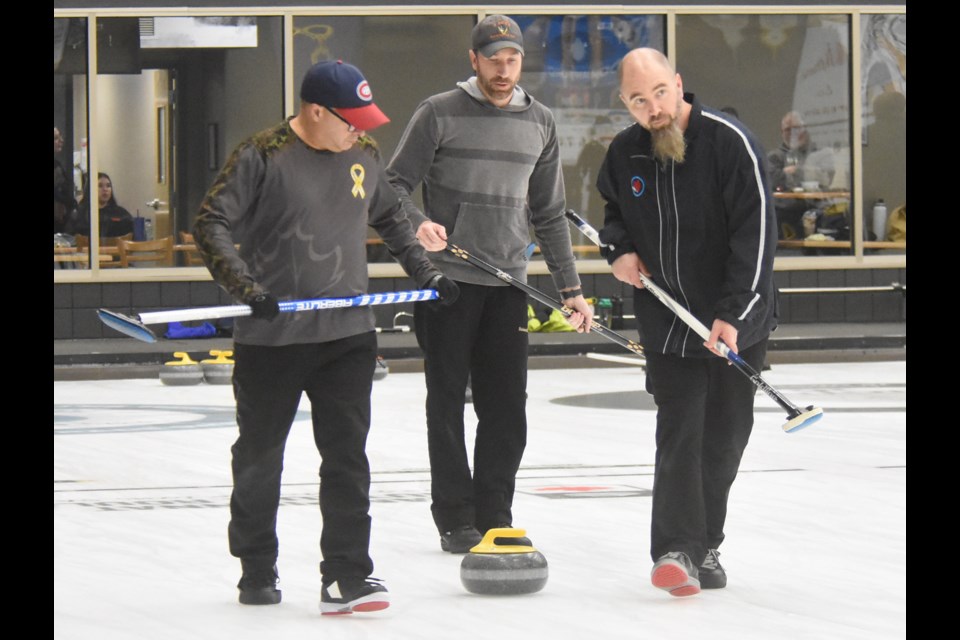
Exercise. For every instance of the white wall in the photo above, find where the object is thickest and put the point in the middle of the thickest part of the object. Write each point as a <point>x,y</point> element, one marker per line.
<point>126,122</point>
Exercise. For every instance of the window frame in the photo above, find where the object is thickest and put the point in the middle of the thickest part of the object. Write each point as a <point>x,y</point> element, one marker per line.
<point>857,260</point>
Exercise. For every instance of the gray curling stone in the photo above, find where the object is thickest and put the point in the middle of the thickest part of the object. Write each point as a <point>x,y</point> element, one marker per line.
<point>498,569</point>
<point>218,370</point>
<point>181,372</point>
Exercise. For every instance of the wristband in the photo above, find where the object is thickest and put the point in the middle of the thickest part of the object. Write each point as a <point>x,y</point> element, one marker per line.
<point>572,293</point>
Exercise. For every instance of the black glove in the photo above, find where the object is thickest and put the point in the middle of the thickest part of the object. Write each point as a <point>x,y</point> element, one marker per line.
<point>447,288</point>
<point>264,305</point>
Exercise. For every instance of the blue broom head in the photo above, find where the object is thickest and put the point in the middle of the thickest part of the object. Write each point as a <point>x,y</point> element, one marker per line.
<point>803,419</point>
<point>126,325</point>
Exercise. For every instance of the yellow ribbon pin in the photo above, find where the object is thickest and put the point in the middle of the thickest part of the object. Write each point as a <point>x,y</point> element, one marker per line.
<point>356,172</point>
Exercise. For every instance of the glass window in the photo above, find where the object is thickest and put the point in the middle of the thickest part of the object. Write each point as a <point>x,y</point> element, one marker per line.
<point>571,66</point>
<point>788,79</point>
<point>397,55</point>
<point>175,95</point>
<point>69,140</point>
<point>883,71</point>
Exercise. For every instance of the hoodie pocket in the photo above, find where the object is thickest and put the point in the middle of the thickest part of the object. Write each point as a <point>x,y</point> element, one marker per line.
<point>495,234</point>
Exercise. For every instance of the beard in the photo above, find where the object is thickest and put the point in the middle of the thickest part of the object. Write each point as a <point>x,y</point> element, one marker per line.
<point>668,143</point>
<point>494,92</point>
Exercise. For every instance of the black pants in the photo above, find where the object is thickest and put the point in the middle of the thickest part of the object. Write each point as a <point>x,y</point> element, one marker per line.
<point>268,383</point>
<point>704,420</point>
<point>483,335</point>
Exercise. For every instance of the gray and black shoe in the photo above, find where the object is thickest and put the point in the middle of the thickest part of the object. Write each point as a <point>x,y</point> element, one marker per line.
<point>460,539</point>
<point>712,575</point>
<point>675,573</point>
<point>258,585</point>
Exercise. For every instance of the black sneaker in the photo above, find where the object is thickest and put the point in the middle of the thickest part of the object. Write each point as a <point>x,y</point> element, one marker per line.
<point>461,539</point>
<point>712,575</point>
<point>513,540</point>
<point>349,595</point>
<point>674,573</point>
<point>259,586</point>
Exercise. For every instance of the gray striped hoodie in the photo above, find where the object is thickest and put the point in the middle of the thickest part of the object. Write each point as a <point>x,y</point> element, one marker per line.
<point>488,174</point>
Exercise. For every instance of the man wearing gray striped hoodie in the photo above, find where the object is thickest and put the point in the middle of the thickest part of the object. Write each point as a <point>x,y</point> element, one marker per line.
<point>487,156</point>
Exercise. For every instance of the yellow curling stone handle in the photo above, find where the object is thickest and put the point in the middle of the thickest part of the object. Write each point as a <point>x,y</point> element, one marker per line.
<point>488,544</point>
<point>184,359</point>
<point>221,357</point>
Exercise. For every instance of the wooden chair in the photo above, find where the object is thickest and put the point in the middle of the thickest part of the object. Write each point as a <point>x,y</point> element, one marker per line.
<point>83,243</point>
<point>159,251</point>
<point>191,256</point>
<point>115,242</point>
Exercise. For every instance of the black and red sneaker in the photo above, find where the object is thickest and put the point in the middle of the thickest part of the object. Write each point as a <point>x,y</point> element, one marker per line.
<point>353,595</point>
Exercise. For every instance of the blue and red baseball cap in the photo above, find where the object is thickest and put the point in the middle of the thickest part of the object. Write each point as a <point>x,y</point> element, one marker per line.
<point>341,86</point>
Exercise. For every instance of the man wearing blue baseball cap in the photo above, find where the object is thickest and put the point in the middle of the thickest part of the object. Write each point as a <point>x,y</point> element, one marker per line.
<point>297,199</point>
<point>343,91</point>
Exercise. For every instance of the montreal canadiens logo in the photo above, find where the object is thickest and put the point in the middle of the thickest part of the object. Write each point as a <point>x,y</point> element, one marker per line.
<point>637,186</point>
<point>363,91</point>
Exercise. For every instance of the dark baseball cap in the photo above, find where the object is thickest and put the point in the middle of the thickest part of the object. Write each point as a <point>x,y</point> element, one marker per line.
<point>341,86</point>
<point>494,33</point>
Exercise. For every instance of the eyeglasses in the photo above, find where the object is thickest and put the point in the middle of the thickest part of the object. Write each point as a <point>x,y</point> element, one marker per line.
<point>350,127</point>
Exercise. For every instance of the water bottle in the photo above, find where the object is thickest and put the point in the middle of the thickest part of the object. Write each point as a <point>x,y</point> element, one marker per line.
<point>880,220</point>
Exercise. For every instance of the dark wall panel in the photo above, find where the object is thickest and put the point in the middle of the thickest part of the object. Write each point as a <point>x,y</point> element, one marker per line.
<point>75,305</point>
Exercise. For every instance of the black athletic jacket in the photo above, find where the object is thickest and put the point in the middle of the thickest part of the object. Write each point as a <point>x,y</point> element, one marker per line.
<point>705,228</point>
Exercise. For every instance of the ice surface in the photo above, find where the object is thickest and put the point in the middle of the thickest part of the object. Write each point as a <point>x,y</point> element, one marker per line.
<point>816,533</point>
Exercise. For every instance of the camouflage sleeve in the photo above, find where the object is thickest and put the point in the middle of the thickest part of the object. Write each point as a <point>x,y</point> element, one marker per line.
<point>229,200</point>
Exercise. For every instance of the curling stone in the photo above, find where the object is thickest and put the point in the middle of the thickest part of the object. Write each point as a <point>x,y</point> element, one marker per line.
<point>502,569</point>
<point>382,369</point>
<point>181,372</point>
<point>218,370</point>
